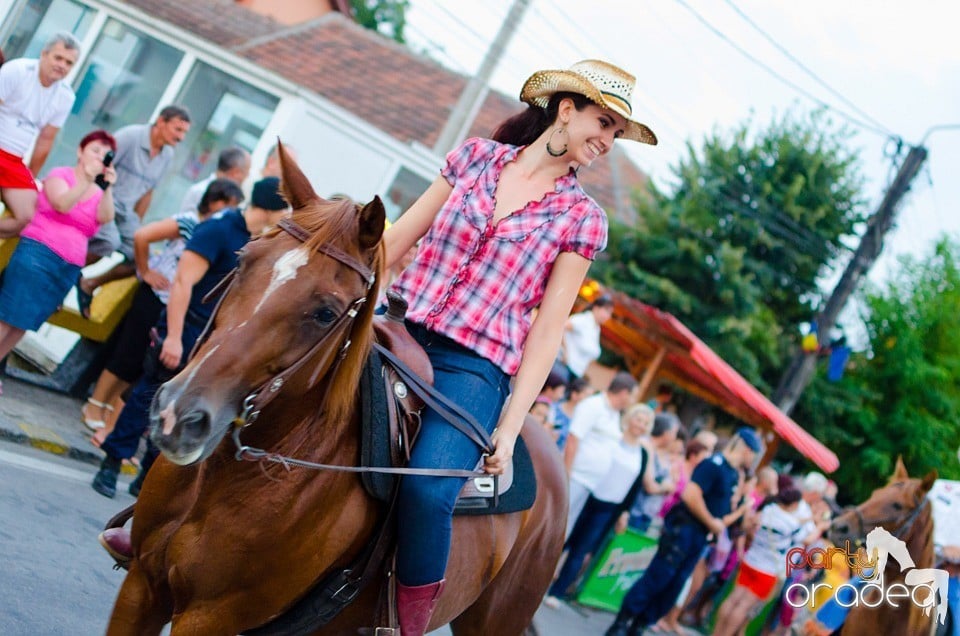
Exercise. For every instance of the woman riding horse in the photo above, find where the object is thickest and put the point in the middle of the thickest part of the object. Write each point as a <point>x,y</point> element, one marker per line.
<point>488,257</point>
<point>506,228</point>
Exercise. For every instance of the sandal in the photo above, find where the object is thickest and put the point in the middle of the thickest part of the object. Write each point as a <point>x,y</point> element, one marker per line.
<point>89,422</point>
<point>84,300</point>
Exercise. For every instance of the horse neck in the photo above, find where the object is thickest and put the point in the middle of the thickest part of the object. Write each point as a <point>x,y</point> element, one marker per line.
<point>919,539</point>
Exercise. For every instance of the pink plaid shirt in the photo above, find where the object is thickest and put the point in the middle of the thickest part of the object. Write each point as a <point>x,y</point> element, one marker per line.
<point>477,282</point>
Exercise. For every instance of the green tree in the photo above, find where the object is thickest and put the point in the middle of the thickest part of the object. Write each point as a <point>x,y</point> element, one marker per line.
<point>384,16</point>
<point>735,250</point>
<point>902,397</point>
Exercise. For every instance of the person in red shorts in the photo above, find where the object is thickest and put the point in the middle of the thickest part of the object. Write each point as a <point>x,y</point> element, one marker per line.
<point>778,529</point>
<point>34,104</point>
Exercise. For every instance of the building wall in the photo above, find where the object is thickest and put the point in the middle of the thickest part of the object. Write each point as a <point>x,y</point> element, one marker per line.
<point>336,159</point>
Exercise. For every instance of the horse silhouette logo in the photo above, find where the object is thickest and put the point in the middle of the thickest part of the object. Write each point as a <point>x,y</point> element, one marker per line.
<point>881,545</point>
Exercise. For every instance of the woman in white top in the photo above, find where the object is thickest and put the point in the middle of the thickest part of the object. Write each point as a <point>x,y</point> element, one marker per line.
<point>625,466</point>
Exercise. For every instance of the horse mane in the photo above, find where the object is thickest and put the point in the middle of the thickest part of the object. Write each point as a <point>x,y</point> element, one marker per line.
<point>337,222</point>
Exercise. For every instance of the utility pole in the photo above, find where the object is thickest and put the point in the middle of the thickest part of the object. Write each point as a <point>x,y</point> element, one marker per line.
<point>801,368</point>
<point>473,96</point>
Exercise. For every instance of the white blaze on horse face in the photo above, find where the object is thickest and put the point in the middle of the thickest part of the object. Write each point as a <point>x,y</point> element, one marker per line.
<point>285,269</point>
<point>168,418</point>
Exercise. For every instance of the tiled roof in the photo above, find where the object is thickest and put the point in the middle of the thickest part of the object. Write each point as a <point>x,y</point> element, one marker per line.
<point>222,22</point>
<point>407,95</point>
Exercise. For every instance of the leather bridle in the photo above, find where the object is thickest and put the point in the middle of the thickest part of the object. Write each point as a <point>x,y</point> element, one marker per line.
<point>902,529</point>
<point>257,399</point>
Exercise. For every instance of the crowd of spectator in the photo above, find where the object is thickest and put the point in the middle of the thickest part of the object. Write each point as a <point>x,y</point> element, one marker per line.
<point>723,526</point>
<point>80,214</point>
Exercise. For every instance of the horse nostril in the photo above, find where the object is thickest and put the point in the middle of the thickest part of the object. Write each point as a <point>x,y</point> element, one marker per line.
<point>195,424</point>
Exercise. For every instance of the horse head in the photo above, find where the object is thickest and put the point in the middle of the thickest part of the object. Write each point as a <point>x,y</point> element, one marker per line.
<point>291,332</point>
<point>895,508</point>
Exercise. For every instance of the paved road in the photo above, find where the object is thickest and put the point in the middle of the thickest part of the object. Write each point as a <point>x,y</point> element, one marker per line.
<point>55,579</point>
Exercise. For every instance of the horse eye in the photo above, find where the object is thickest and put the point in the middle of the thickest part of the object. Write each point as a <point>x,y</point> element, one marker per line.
<point>324,316</point>
<point>897,506</point>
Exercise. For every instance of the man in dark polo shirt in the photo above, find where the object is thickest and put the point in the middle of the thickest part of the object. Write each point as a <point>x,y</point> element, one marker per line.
<point>705,508</point>
<point>210,254</point>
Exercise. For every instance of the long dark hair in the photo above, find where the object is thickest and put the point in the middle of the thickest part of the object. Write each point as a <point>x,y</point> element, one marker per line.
<point>524,128</point>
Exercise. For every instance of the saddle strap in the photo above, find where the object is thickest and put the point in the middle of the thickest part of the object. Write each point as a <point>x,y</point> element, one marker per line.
<point>121,518</point>
<point>444,406</point>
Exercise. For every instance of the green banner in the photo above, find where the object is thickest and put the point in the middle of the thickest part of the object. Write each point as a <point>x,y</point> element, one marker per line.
<point>621,563</point>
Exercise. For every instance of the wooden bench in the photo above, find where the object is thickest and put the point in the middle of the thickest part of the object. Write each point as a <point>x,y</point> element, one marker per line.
<point>108,308</point>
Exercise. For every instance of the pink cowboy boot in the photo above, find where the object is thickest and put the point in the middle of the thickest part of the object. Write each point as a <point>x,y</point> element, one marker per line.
<point>415,606</point>
<point>116,541</point>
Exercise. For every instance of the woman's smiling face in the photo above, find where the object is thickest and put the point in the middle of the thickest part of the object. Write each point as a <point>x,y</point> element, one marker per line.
<point>592,132</point>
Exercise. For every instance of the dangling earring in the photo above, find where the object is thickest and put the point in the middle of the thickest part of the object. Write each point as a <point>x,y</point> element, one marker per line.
<point>550,150</point>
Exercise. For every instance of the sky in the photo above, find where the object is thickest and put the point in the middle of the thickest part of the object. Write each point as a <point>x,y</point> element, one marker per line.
<point>894,65</point>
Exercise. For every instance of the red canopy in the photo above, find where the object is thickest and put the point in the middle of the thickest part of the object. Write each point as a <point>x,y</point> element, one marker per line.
<point>646,336</point>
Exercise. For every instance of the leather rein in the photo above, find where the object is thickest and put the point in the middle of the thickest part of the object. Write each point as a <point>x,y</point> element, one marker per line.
<point>329,359</point>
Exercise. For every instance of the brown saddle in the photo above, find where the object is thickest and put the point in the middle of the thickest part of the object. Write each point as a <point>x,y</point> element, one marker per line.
<point>390,412</point>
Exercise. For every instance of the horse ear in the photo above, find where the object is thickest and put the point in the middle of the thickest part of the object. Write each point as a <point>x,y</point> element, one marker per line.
<point>928,480</point>
<point>294,185</point>
<point>372,218</point>
<point>900,472</point>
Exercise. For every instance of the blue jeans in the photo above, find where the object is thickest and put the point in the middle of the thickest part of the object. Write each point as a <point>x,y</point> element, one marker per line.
<point>124,440</point>
<point>425,515</point>
<point>587,534</point>
<point>652,596</point>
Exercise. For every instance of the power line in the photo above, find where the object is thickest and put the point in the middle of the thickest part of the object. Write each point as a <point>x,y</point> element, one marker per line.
<point>805,68</point>
<point>648,104</point>
<point>431,48</point>
<point>720,34</point>
<point>484,41</point>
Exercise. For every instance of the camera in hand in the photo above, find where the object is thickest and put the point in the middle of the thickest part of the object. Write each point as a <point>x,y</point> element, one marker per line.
<point>101,180</point>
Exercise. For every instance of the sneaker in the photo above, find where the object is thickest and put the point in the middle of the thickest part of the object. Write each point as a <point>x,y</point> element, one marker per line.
<point>105,481</point>
<point>552,602</point>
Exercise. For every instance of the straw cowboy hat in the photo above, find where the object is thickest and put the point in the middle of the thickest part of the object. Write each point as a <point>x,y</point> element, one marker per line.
<point>604,84</point>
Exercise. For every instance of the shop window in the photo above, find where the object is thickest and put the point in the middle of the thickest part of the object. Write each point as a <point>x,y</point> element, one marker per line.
<point>120,84</point>
<point>225,111</point>
<point>38,20</point>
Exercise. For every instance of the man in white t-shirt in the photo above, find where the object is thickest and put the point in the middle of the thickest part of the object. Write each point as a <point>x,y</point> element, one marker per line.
<point>34,104</point>
<point>594,435</point>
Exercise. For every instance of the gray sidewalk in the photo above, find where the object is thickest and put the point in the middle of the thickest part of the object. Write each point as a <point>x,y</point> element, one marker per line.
<point>46,420</point>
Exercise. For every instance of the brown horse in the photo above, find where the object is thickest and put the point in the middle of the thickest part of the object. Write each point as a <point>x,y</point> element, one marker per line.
<point>902,509</point>
<point>222,546</point>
